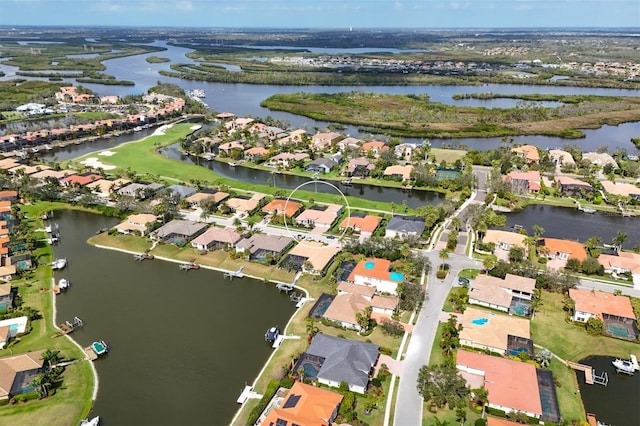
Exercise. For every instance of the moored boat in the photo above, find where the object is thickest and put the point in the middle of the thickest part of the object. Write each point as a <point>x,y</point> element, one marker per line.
<point>63,284</point>
<point>91,422</point>
<point>100,347</point>
<point>623,366</point>
<point>272,334</point>
<point>59,263</point>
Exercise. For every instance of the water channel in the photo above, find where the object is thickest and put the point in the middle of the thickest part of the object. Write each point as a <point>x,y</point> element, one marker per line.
<point>183,344</point>
<point>615,404</point>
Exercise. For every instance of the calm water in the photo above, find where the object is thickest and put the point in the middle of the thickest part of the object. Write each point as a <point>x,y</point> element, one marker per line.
<point>615,404</point>
<point>183,344</point>
<point>571,224</point>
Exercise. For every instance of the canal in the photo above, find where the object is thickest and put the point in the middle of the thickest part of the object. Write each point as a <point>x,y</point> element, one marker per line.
<point>615,404</point>
<point>182,344</point>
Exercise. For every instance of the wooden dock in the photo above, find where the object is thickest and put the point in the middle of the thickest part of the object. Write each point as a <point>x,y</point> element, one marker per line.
<point>91,355</point>
<point>588,371</point>
<point>189,266</point>
<point>236,274</point>
<point>142,256</point>
<point>69,327</point>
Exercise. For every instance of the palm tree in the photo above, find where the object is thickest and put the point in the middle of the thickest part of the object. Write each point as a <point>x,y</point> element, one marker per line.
<point>443,255</point>
<point>456,223</point>
<point>50,357</point>
<point>619,240</point>
<point>538,230</point>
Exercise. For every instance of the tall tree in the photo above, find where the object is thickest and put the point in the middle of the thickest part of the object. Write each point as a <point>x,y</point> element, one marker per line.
<point>441,385</point>
<point>619,240</point>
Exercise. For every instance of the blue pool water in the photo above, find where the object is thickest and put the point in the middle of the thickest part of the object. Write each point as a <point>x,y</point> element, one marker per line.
<point>309,371</point>
<point>480,321</point>
<point>369,265</point>
<point>397,276</point>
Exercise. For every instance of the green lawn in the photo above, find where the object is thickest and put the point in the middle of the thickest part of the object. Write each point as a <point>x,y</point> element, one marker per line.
<point>448,155</point>
<point>448,306</point>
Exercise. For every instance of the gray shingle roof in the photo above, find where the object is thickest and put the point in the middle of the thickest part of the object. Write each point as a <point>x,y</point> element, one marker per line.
<point>186,228</point>
<point>345,360</point>
<point>406,224</point>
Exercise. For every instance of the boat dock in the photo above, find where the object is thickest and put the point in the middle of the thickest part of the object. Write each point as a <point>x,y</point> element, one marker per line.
<point>634,362</point>
<point>91,355</point>
<point>188,266</point>
<point>142,256</point>
<point>247,393</point>
<point>284,287</point>
<point>69,327</point>
<point>590,376</point>
<point>281,338</point>
<point>236,274</point>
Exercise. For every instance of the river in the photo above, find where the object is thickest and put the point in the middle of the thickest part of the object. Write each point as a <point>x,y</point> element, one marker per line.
<point>182,344</point>
<point>615,404</point>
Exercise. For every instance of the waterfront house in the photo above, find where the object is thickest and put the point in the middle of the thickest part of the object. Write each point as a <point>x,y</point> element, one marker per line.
<point>486,330</point>
<point>228,148</point>
<point>181,191</point>
<point>600,159</point>
<point>622,263</point>
<point>398,172</point>
<point>375,147</point>
<point>621,189</point>
<point>559,251</point>
<point>359,167</point>
<point>322,165</point>
<point>137,223</point>
<point>349,143</point>
<point>523,182</point>
<point>105,188</point>
<point>529,153</point>
<point>18,371</point>
<point>261,247</point>
<point>365,224</point>
<point>216,238</point>
<point>512,385</point>
<point>561,158</point>
<point>502,294</point>
<point>400,226</point>
<point>343,360</point>
<point>278,206</point>
<point>321,141</point>
<point>320,217</point>
<point>311,257</point>
<point>9,196</point>
<point>286,159</point>
<point>571,187</point>
<point>376,272</point>
<point>6,297</point>
<point>256,153</point>
<point>245,205</point>
<point>504,241</point>
<point>353,299</point>
<point>179,232</point>
<point>599,304</point>
<point>301,405</point>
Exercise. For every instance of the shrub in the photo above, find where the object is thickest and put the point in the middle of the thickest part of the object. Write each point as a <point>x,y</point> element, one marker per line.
<point>496,412</point>
<point>480,422</point>
<point>392,328</point>
<point>287,382</point>
<point>385,351</point>
<point>272,388</point>
<point>594,326</point>
<point>441,274</point>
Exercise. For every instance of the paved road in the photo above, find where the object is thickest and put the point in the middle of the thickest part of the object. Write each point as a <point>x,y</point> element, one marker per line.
<point>409,406</point>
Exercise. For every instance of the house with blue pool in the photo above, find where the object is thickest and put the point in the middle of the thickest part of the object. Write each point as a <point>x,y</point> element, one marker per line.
<point>376,272</point>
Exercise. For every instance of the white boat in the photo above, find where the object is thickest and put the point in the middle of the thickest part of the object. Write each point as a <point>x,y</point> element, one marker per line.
<point>623,366</point>
<point>63,283</point>
<point>59,264</point>
<point>208,157</point>
<point>232,164</point>
<point>137,129</point>
<point>93,422</point>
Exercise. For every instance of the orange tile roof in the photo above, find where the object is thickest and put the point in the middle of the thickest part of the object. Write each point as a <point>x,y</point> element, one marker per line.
<point>277,206</point>
<point>600,302</point>
<point>368,223</point>
<point>511,384</point>
<point>8,194</point>
<point>81,180</point>
<point>529,152</point>
<point>572,248</point>
<point>495,421</point>
<point>372,267</point>
<point>315,406</point>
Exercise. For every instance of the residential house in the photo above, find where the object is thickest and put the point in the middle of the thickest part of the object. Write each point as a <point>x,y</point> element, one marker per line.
<point>601,305</point>
<point>529,153</point>
<point>400,226</point>
<point>295,136</point>
<point>279,207</point>
<point>287,159</point>
<point>349,143</point>
<point>600,159</point>
<point>482,329</point>
<point>313,257</point>
<point>137,223</point>
<point>105,188</point>
<point>353,299</point>
<point>621,189</point>
<point>136,190</point>
<point>6,297</point>
<point>523,182</point>
<point>561,158</point>
<point>365,224</point>
<point>321,217</point>
<point>376,272</point>
<point>404,151</point>
<point>559,251</point>
<point>179,232</point>
<point>256,153</point>
<point>24,367</point>
<point>246,205</point>
<point>511,385</point>
<point>238,124</point>
<point>196,199</point>
<point>261,247</point>
<point>502,294</point>
<point>216,238</point>
<point>301,405</point>
<point>322,165</point>
<point>28,170</point>
<point>321,141</point>
<point>375,147</point>
<point>80,180</point>
<point>8,162</point>
<point>226,149</point>
<point>343,360</point>
<point>399,172</point>
<point>570,187</point>
<point>359,167</point>
<point>181,191</point>
<point>622,263</point>
<point>504,241</point>
<point>9,196</point>
<point>43,175</point>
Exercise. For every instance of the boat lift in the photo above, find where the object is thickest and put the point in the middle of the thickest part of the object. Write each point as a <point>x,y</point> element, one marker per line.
<point>236,274</point>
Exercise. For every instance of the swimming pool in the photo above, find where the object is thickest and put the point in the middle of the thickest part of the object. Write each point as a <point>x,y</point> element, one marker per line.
<point>479,321</point>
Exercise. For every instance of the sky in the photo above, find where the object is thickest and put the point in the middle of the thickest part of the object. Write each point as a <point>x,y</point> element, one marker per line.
<point>323,13</point>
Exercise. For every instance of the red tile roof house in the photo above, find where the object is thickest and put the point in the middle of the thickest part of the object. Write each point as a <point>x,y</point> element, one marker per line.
<point>366,225</point>
<point>512,385</point>
<point>320,141</point>
<point>80,180</point>
<point>255,153</point>
<point>375,272</point>
<point>226,149</point>
<point>399,172</point>
<point>8,195</point>
<point>559,251</point>
<point>523,182</point>
<point>600,304</point>
<point>528,152</point>
<point>349,142</point>
<point>496,293</point>
<point>486,330</point>
<point>376,147</point>
<point>301,405</point>
<point>354,298</point>
<point>623,263</point>
<point>277,207</point>
<point>216,238</point>
<point>27,366</point>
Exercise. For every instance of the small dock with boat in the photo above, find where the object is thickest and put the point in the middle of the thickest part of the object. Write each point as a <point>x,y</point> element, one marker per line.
<point>143,256</point>
<point>236,274</point>
<point>590,376</point>
<point>69,327</point>
<point>97,349</point>
<point>189,266</point>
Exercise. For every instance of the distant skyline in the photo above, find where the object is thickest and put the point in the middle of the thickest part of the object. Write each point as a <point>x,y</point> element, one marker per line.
<point>423,14</point>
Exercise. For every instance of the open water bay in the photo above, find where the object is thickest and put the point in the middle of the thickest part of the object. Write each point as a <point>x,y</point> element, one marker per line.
<point>182,344</point>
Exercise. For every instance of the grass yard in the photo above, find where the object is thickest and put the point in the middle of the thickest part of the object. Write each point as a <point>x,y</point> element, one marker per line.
<point>448,155</point>
<point>469,273</point>
<point>121,241</point>
<point>569,402</point>
<point>448,306</point>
